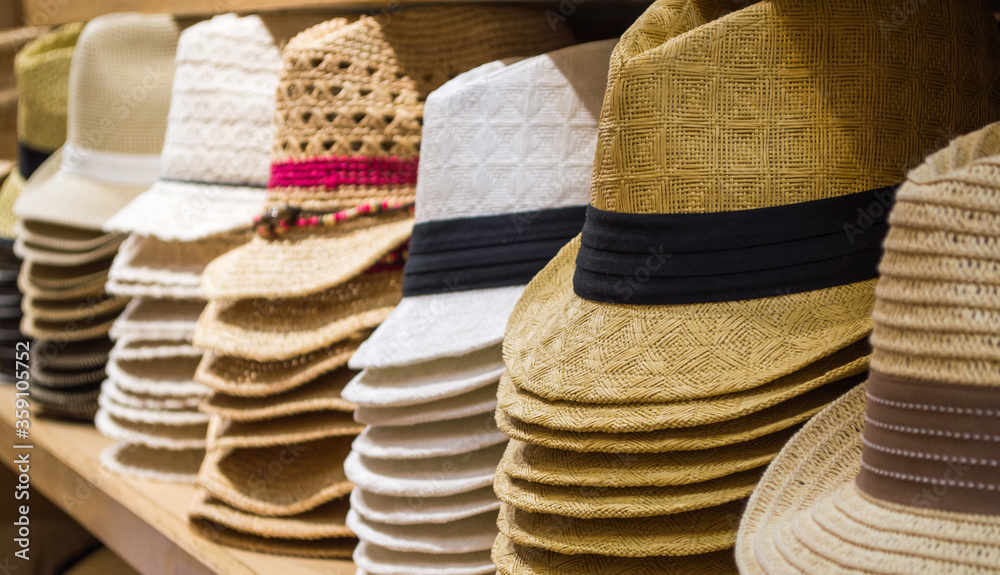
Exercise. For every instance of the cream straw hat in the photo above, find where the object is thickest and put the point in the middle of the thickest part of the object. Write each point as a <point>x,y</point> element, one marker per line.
<point>900,476</point>
<point>216,153</point>
<point>119,87</point>
<point>379,560</point>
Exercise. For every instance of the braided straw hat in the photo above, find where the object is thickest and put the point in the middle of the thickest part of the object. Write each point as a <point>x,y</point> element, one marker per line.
<point>900,476</point>
<point>218,139</point>
<point>119,94</point>
<point>320,394</point>
<point>41,70</point>
<point>348,128</point>
<point>144,462</point>
<point>149,319</point>
<point>476,168</point>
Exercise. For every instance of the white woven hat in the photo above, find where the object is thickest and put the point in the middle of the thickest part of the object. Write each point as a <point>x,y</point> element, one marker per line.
<point>157,320</point>
<point>168,465</point>
<point>482,400</point>
<point>150,267</point>
<point>463,536</point>
<point>420,510</point>
<point>216,154</point>
<point>425,382</point>
<point>506,149</point>
<point>119,94</point>
<point>378,560</point>
<point>431,477</point>
<point>432,439</point>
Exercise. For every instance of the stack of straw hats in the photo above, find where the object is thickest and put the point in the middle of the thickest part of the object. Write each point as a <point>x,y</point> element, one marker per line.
<point>41,69</point>
<point>288,309</point>
<point>721,290</point>
<point>119,93</point>
<point>215,165</point>
<point>900,475</point>
<point>503,184</point>
<point>12,41</point>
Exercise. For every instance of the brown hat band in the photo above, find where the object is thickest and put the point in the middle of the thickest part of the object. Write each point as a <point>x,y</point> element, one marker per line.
<point>931,444</point>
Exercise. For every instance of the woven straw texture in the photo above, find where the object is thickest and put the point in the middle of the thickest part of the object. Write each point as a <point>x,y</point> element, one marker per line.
<point>157,436</point>
<point>514,559</point>
<point>431,477</point>
<point>613,418</point>
<point>167,465</point>
<point>59,283</point>
<point>151,349</point>
<point>321,394</point>
<point>118,58</point>
<point>325,522</point>
<point>64,379</point>
<point>382,561</point>
<point>934,321</point>
<point>356,92</point>
<point>74,309</point>
<point>412,511</point>
<point>80,403</point>
<point>432,439</point>
<point>425,382</point>
<point>333,548</point>
<point>270,330</point>
<point>477,401</point>
<point>182,416</point>
<point>216,151</point>
<point>49,354</point>
<point>474,533</point>
<point>247,479</point>
<point>41,70</point>
<point>247,378</point>
<point>688,126</point>
<point>88,328</point>
<point>289,430</point>
<point>149,319</point>
<point>157,403</point>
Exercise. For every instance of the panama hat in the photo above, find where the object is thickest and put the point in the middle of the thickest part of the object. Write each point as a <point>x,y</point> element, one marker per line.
<point>218,135</point>
<point>319,533</point>
<point>900,475</point>
<point>347,133</point>
<point>425,382</point>
<point>90,327</point>
<point>416,511</point>
<point>41,71</point>
<point>379,560</point>
<point>144,462</point>
<point>321,394</point>
<point>239,377</point>
<point>149,267</point>
<point>524,188</point>
<point>474,533</point>
<point>114,136</point>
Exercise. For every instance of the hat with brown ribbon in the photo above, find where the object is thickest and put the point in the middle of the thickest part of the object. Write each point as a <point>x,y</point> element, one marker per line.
<point>746,160</point>
<point>900,476</point>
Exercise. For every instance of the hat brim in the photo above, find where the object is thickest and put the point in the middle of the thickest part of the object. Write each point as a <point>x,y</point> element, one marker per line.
<point>122,397</point>
<point>150,267</point>
<point>482,400</point>
<point>324,522</point>
<point>138,350</point>
<point>640,417</point>
<point>148,319</point>
<point>808,505</point>
<point>466,535</point>
<point>77,403</point>
<point>91,287</point>
<point>245,378</point>
<point>423,477</point>
<point>169,377</point>
<point>293,268</point>
<point>179,437</point>
<point>428,327</point>
<point>401,511</point>
<point>623,502</point>
<point>776,418</point>
<point>560,346</point>
<point>62,238</point>
<point>431,439</point>
<point>10,190</point>
<point>76,330</point>
<point>426,382</point>
<point>316,476</point>
<point>59,278</point>
<point>322,394</point>
<point>376,559</point>
<point>328,548</point>
<point>48,354</point>
<point>289,430</point>
<point>274,330</point>
<point>51,195</point>
<point>143,462</point>
<point>513,559</point>
<point>28,251</point>
<point>701,531</point>
<point>150,416</point>
<point>66,380</point>
<point>187,211</point>
<point>72,309</point>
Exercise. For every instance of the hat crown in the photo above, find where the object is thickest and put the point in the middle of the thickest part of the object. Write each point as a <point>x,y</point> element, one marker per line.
<point>120,81</point>
<point>42,73</point>
<point>785,101</point>
<point>517,137</point>
<point>219,127</point>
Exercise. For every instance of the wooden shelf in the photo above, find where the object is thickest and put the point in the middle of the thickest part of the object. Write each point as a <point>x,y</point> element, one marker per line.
<point>142,521</point>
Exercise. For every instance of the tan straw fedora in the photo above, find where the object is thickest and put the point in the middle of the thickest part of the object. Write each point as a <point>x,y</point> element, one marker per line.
<point>41,71</point>
<point>900,476</point>
<point>348,130</point>
<point>321,394</point>
<point>144,462</point>
<point>119,87</point>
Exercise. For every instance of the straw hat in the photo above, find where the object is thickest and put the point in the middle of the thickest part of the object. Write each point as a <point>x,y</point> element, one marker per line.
<point>110,391</point>
<point>899,476</point>
<point>423,383</point>
<point>119,87</point>
<point>474,533</point>
<point>350,102</point>
<point>49,354</point>
<point>218,138</point>
<point>320,394</point>
<point>523,187</point>
<point>151,349</point>
<point>11,40</point>
<point>431,439</point>
<point>77,403</point>
<point>149,267</point>
<point>41,71</point>
<point>417,511</point>
<point>158,436</point>
<point>379,560</point>
<point>160,377</point>
<point>289,430</point>
<point>144,462</point>
<point>157,320</point>
<point>477,401</point>
<point>430,477</point>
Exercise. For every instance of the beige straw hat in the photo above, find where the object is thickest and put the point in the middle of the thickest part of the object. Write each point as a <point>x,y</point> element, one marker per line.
<point>49,354</point>
<point>171,377</point>
<point>247,378</point>
<point>900,476</point>
<point>144,462</point>
<point>158,436</point>
<point>347,136</point>
<point>218,138</point>
<point>110,391</point>
<point>379,560</point>
<point>151,319</point>
<point>320,533</point>
<point>41,71</point>
<point>288,430</point>
<point>90,327</point>
<point>119,87</point>
<point>11,41</point>
<point>321,394</point>
<point>499,200</point>
<point>514,559</point>
<point>58,282</point>
<point>64,238</point>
